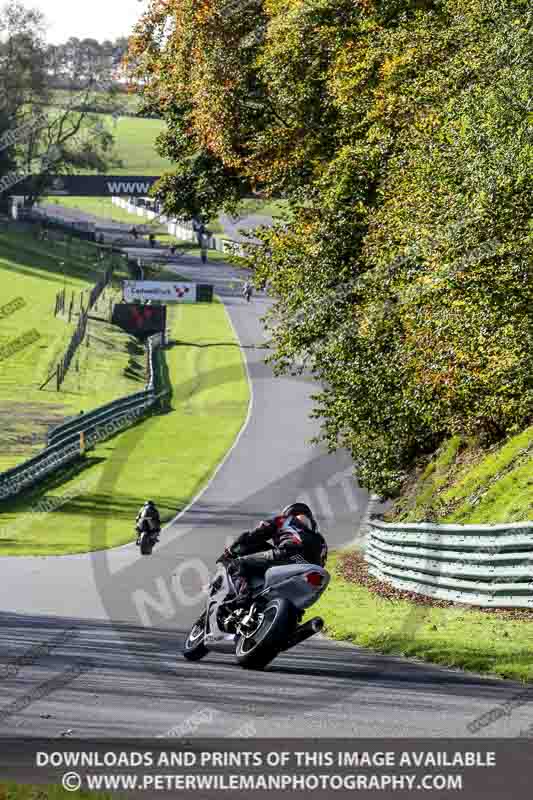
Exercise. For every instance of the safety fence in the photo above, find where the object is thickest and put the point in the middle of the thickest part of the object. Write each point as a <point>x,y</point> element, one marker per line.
<point>480,565</point>
<point>68,442</point>
<point>81,328</point>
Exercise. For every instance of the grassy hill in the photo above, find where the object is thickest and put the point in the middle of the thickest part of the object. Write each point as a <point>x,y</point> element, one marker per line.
<point>31,273</point>
<point>174,452</point>
<point>467,483</point>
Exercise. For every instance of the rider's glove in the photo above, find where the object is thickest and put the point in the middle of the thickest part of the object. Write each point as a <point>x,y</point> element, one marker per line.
<point>227,555</point>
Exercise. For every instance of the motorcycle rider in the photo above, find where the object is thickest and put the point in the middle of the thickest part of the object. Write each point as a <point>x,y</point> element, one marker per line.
<point>294,538</point>
<point>247,290</point>
<point>148,517</point>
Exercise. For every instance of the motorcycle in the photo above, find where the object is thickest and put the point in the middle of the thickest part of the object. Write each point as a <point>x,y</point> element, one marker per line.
<point>268,624</point>
<point>146,540</point>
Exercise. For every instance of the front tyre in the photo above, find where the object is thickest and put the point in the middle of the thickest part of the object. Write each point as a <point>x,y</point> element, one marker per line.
<point>258,647</point>
<point>194,648</point>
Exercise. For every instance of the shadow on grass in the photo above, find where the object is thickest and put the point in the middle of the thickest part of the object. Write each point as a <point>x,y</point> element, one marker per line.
<point>102,505</point>
<point>28,498</point>
<point>26,255</point>
<point>181,343</point>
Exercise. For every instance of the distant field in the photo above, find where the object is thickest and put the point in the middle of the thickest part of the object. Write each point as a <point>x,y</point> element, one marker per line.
<point>120,100</point>
<point>135,145</point>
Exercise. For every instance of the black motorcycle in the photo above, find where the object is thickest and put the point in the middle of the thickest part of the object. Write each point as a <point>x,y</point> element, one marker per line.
<point>146,539</point>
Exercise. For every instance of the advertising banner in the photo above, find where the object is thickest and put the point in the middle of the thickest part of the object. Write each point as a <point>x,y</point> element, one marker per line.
<point>140,320</point>
<point>92,185</point>
<point>164,291</point>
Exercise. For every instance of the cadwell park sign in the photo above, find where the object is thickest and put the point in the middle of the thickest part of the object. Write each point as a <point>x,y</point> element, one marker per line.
<point>164,291</point>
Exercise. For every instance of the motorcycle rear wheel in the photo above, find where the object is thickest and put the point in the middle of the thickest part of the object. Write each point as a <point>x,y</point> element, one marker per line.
<point>146,545</point>
<point>258,648</point>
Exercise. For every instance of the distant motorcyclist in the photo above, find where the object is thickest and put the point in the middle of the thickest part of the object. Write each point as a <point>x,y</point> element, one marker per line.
<point>148,520</point>
<point>247,290</point>
<point>291,537</point>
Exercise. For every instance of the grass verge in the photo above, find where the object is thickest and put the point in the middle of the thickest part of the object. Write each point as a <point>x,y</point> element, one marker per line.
<point>175,457</point>
<point>454,637</point>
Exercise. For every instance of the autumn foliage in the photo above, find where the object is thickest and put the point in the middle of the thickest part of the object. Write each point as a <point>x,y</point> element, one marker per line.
<point>401,133</point>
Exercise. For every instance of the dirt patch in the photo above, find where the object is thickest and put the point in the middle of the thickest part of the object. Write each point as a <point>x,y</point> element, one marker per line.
<point>353,568</point>
<point>24,425</point>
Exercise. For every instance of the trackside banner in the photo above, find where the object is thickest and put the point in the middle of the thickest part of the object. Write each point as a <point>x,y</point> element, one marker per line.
<point>92,185</point>
<point>166,291</point>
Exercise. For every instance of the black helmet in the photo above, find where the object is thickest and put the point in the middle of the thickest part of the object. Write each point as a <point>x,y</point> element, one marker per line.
<point>149,503</point>
<point>294,509</point>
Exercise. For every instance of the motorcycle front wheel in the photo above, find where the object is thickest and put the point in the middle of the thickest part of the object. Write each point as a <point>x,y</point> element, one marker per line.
<point>194,648</point>
<point>259,646</point>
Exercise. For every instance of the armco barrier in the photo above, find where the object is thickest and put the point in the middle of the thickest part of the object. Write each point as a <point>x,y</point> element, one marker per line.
<point>63,444</point>
<point>481,565</point>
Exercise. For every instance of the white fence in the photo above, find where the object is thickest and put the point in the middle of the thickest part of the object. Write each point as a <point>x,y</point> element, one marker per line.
<point>481,565</point>
<point>181,229</point>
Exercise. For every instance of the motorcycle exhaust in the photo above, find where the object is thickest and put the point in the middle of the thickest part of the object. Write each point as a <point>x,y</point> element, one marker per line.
<point>305,631</point>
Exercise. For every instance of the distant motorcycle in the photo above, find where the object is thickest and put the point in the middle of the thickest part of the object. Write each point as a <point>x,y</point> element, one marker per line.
<point>146,539</point>
<point>247,292</point>
<point>268,624</point>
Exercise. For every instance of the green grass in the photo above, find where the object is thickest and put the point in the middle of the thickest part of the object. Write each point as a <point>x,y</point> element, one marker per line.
<point>277,209</point>
<point>454,637</point>
<point>173,453</point>
<point>103,208</point>
<point>13,791</point>
<point>35,272</point>
<point>465,484</point>
<point>135,145</point>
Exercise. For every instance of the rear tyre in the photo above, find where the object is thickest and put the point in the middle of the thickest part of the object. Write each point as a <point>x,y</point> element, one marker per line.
<point>259,647</point>
<point>146,545</point>
<point>194,648</point>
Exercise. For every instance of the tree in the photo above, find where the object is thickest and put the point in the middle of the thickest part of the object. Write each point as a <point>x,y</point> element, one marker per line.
<point>401,133</point>
<point>43,137</point>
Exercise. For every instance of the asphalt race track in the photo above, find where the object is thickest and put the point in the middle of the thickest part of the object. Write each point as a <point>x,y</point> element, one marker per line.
<point>90,645</point>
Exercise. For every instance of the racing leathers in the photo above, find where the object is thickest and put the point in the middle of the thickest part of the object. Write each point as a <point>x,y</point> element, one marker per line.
<point>275,542</point>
